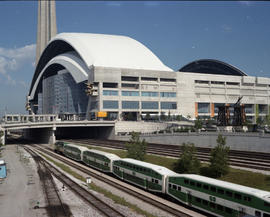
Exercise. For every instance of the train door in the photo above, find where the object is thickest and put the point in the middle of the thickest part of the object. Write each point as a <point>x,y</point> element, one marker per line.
<point>258,213</point>
<point>242,212</point>
<point>189,198</point>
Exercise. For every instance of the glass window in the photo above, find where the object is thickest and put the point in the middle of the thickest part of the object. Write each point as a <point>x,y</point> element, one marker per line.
<point>178,188</point>
<point>130,104</point>
<point>219,207</point>
<point>168,105</point>
<point>150,94</point>
<point>213,189</point>
<point>198,200</point>
<point>130,93</point>
<point>186,181</point>
<point>203,107</point>
<point>167,94</point>
<point>220,191</point>
<point>228,210</point>
<point>109,104</point>
<point>192,183</point>
<point>206,187</point>
<point>110,92</point>
<point>149,105</point>
<point>199,185</point>
<point>237,196</point>
<point>229,193</point>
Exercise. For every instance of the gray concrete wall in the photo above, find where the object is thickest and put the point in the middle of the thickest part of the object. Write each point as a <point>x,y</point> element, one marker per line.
<point>237,141</point>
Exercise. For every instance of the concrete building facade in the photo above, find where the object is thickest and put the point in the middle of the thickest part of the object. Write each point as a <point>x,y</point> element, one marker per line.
<point>129,82</point>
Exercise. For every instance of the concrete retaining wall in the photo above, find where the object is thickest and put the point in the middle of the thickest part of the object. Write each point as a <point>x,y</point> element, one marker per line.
<point>237,141</point>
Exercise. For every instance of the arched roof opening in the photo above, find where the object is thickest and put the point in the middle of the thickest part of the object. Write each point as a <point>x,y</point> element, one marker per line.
<point>210,66</point>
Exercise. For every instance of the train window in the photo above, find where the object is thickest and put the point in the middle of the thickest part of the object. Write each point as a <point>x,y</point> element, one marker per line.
<point>212,205</point>
<point>228,210</point>
<point>213,189</point>
<point>170,185</point>
<point>219,207</point>
<point>206,187</point>
<point>237,196</point>
<point>266,204</point>
<point>205,202</point>
<point>192,183</point>
<point>258,214</point>
<point>153,180</point>
<point>199,185</point>
<point>174,187</point>
<point>247,198</point>
<point>186,181</point>
<point>266,215</point>
<point>220,191</point>
<point>198,200</point>
<point>229,193</point>
<point>178,188</point>
<point>156,181</point>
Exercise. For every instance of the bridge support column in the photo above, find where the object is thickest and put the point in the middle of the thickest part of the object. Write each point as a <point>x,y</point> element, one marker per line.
<point>52,136</point>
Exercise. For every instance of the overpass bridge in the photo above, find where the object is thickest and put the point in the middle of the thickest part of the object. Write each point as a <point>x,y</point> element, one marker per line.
<point>44,128</point>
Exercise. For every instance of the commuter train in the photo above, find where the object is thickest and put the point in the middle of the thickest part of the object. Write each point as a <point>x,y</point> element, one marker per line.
<point>213,196</point>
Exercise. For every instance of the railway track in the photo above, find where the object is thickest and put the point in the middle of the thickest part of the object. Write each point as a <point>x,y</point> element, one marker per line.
<point>55,206</point>
<point>115,183</point>
<point>89,198</point>
<point>252,160</point>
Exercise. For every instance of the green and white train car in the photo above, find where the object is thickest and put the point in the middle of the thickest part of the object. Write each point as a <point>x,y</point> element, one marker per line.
<point>217,197</point>
<point>100,160</point>
<point>74,152</point>
<point>149,176</point>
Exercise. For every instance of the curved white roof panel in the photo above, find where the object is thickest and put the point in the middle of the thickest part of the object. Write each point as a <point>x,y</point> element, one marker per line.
<point>159,169</point>
<point>112,51</point>
<point>106,154</point>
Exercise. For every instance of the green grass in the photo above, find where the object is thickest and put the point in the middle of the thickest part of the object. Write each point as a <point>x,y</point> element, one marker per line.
<point>115,198</point>
<point>119,200</point>
<point>237,176</point>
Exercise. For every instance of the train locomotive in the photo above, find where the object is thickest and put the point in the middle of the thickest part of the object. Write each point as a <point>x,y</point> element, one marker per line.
<point>213,196</point>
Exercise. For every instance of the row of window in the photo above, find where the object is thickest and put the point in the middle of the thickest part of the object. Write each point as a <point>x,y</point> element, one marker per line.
<point>213,205</point>
<point>137,93</point>
<point>110,104</point>
<point>217,190</point>
<point>132,78</point>
<point>216,82</point>
<point>141,169</point>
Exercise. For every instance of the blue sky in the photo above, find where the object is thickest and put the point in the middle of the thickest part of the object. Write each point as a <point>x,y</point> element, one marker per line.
<point>236,32</point>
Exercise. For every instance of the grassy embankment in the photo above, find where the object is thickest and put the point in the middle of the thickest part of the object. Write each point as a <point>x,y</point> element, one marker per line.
<point>106,193</point>
<point>241,177</point>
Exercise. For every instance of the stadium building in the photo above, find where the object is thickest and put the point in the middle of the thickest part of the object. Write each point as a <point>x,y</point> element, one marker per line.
<point>127,81</point>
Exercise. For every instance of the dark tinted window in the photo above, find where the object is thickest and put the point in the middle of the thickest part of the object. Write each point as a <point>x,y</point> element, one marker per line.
<point>192,183</point>
<point>213,189</point>
<point>266,215</point>
<point>206,187</point>
<point>186,181</point>
<point>229,193</point>
<point>198,200</point>
<point>220,191</point>
<point>237,196</point>
<point>205,202</point>
<point>199,185</point>
<point>179,188</point>
<point>174,187</point>
<point>212,205</point>
<point>266,204</point>
<point>228,210</point>
<point>219,207</point>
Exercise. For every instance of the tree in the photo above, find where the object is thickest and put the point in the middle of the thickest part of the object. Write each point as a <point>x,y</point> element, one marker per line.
<point>1,135</point>
<point>136,149</point>
<point>188,162</point>
<point>219,158</point>
<point>198,123</point>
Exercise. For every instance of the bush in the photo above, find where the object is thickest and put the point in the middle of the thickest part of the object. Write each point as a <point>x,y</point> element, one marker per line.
<point>188,162</point>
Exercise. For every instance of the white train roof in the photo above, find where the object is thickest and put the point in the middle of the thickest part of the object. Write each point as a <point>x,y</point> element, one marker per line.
<point>106,154</point>
<point>159,169</point>
<point>228,185</point>
<point>81,148</point>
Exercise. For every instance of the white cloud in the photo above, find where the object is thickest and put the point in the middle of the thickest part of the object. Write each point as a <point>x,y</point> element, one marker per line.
<point>226,28</point>
<point>245,3</point>
<point>151,3</point>
<point>114,4</point>
<point>12,59</point>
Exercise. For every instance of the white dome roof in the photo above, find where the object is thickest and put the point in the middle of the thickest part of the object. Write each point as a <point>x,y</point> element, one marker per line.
<point>112,51</point>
